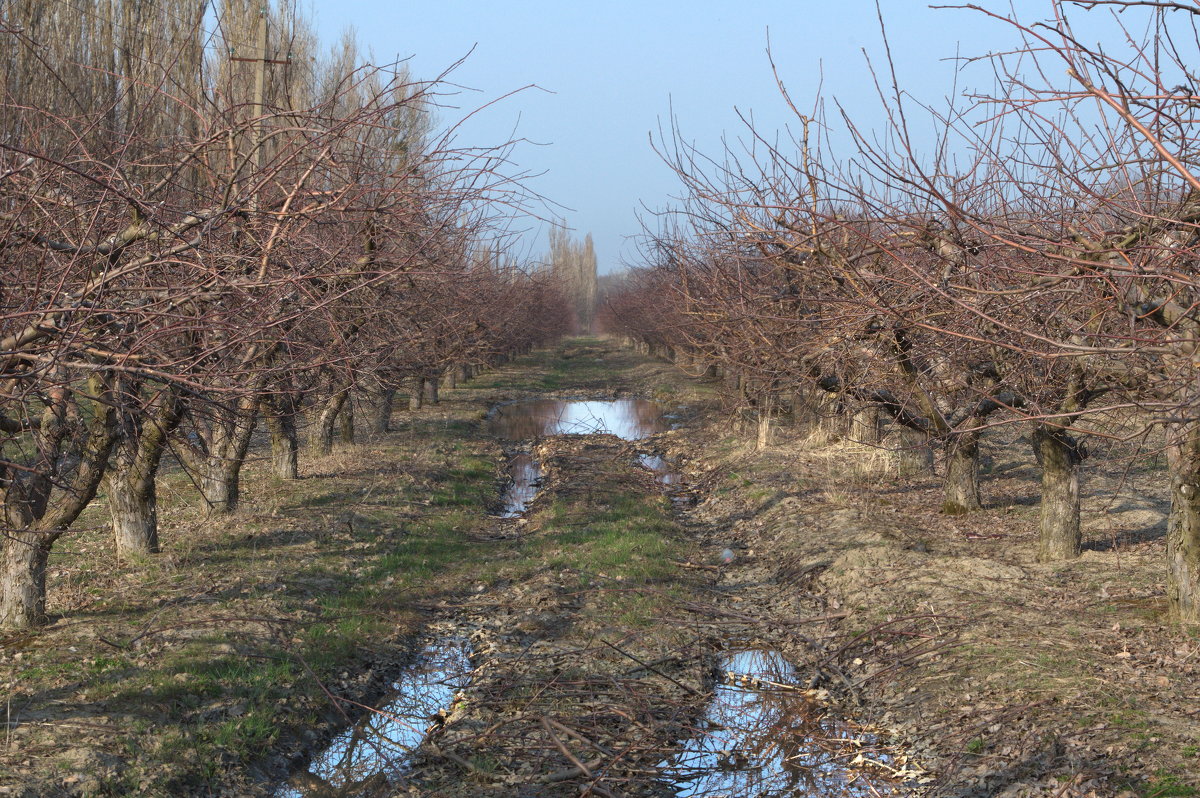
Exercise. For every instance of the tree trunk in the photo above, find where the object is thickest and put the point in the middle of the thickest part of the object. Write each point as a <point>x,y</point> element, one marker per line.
<point>320,438</point>
<point>217,463</point>
<point>1059,535</point>
<point>831,417</point>
<point>133,507</point>
<point>416,395</point>
<point>382,415</point>
<point>346,421</point>
<point>961,488</point>
<point>864,426</point>
<point>913,454</point>
<point>1183,524</point>
<point>38,507</point>
<point>279,412</point>
<point>23,591</point>
<point>220,487</point>
<point>431,390</point>
<point>765,422</point>
<point>129,480</point>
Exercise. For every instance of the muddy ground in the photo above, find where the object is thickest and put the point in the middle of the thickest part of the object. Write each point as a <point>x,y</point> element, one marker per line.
<point>596,619</point>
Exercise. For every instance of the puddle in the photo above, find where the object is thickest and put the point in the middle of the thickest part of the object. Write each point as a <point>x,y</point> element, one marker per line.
<point>526,476</point>
<point>761,737</point>
<point>664,472</point>
<point>629,419</point>
<point>368,758</point>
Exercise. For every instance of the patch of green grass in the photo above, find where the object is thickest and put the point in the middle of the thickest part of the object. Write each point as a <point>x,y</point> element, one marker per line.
<point>245,736</point>
<point>1128,719</point>
<point>631,539</point>
<point>1164,784</point>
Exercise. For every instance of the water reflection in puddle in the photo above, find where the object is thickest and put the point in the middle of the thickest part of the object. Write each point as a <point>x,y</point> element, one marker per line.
<point>761,738</point>
<point>526,476</point>
<point>664,472</point>
<point>629,419</point>
<point>366,759</point>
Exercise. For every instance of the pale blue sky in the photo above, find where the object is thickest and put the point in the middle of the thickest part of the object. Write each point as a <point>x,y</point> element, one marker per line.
<point>612,72</point>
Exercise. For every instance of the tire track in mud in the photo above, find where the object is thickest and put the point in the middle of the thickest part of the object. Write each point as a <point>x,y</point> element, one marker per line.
<point>590,676</point>
<point>568,694</point>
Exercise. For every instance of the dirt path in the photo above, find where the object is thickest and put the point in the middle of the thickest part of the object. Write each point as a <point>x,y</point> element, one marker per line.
<point>219,666</point>
<point>599,622</point>
<point>592,671</point>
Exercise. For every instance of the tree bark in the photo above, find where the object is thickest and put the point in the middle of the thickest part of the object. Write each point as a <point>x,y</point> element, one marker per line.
<point>23,597</point>
<point>216,460</point>
<point>961,487</point>
<point>1059,534</point>
<point>831,417</point>
<point>913,455</point>
<point>129,480</point>
<point>416,394</point>
<point>133,507</point>
<point>765,422</point>
<point>279,413</point>
<point>382,410</point>
<point>1183,524</point>
<point>38,506</point>
<point>431,389</point>
<point>864,426</point>
<point>346,421</point>
<point>320,437</point>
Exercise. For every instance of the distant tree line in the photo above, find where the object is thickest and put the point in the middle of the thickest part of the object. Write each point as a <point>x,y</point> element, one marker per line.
<point>573,267</point>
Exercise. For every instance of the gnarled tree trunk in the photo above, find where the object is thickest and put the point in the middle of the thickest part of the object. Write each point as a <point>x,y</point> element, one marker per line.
<point>320,435</point>
<point>346,421</point>
<point>912,452</point>
<point>864,426</point>
<point>279,413</point>
<point>416,393</point>
<point>1183,523</point>
<point>39,504</point>
<point>129,481</point>
<point>765,424</point>
<point>381,407</point>
<point>216,452</point>
<point>133,507</point>
<point>1059,534</point>
<point>961,485</point>
<point>23,590</point>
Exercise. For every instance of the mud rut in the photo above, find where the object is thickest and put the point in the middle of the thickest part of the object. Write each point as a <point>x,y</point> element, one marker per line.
<point>569,697</point>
